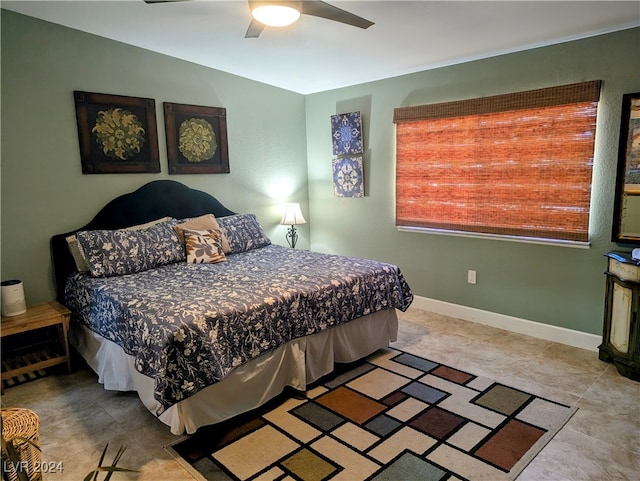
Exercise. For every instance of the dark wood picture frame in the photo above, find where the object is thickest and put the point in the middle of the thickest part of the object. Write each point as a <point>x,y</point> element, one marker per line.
<point>117,133</point>
<point>196,139</point>
<point>627,197</point>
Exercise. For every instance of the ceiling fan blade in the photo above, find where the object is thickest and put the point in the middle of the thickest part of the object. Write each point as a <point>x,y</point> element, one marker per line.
<point>325,10</point>
<point>163,1</point>
<point>254,30</point>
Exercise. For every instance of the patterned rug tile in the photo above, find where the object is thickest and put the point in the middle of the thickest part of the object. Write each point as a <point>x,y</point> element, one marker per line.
<point>318,416</point>
<point>383,425</point>
<point>354,436</point>
<point>424,393</point>
<point>350,404</point>
<point>314,392</point>
<point>377,383</point>
<point>469,436</point>
<point>251,453</point>
<point>392,416</point>
<point>407,409</point>
<point>480,383</point>
<point>406,439</point>
<point>437,422</point>
<point>419,363</point>
<point>453,375</point>
<point>395,398</point>
<point>282,417</point>
<point>505,447</point>
<point>459,403</point>
<point>464,465</point>
<point>354,464</point>
<point>503,399</point>
<point>410,466</point>
<point>397,367</point>
<point>460,392</point>
<point>305,464</point>
<point>543,413</point>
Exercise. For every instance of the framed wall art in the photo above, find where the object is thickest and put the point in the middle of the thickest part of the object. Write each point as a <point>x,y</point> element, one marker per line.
<point>346,132</point>
<point>117,134</point>
<point>196,139</point>
<point>626,212</point>
<point>348,179</point>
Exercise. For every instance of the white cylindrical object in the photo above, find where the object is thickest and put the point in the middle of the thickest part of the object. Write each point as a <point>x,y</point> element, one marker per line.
<point>13,302</point>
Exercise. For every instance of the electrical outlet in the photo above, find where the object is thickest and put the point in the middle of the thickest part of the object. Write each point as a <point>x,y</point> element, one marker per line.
<point>471,277</point>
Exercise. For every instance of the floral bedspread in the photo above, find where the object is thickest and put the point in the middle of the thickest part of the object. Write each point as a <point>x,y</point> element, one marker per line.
<point>189,325</point>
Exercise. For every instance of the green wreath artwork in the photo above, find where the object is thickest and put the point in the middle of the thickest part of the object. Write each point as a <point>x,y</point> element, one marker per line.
<point>197,140</point>
<point>119,133</point>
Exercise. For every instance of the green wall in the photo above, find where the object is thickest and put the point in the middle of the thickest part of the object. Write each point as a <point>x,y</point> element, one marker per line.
<point>43,189</point>
<point>561,286</point>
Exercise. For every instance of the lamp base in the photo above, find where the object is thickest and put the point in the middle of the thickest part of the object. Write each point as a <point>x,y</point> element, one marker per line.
<point>292,236</point>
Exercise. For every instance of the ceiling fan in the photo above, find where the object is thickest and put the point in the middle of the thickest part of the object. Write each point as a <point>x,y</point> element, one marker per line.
<point>292,10</point>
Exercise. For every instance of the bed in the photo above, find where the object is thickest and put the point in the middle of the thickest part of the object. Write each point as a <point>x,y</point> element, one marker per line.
<point>188,303</point>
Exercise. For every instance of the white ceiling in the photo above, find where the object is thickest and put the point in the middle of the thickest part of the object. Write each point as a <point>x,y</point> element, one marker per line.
<point>315,54</point>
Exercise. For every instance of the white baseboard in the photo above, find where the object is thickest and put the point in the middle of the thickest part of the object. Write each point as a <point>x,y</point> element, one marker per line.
<point>548,332</point>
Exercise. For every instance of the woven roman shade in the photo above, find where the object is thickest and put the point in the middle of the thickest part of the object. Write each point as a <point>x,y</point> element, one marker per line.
<point>515,165</point>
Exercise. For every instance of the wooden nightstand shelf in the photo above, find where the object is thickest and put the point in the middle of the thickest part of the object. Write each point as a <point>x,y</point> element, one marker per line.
<point>43,355</point>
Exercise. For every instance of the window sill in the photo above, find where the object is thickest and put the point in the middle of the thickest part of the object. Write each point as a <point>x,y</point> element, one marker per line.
<point>525,240</point>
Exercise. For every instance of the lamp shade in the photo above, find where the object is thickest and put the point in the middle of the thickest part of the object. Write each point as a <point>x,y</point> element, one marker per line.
<point>292,215</point>
<point>275,15</point>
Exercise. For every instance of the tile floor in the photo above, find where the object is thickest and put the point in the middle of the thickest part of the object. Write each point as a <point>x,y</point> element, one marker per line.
<point>601,441</point>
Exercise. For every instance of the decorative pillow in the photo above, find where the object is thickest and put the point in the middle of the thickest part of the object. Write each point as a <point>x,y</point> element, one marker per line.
<point>204,246</point>
<point>124,251</point>
<point>78,255</point>
<point>204,222</point>
<point>149,224</point>
<point>244,232</point>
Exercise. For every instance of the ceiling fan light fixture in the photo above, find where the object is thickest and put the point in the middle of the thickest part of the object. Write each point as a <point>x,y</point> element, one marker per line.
<point>275,15</point>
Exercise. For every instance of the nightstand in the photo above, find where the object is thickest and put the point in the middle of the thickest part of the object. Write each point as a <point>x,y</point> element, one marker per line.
<point>621,333</point>
<point>41,355</point>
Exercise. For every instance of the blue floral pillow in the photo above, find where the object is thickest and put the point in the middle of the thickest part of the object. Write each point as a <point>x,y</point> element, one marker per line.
<point>119,252</point>
<point>244,232</point>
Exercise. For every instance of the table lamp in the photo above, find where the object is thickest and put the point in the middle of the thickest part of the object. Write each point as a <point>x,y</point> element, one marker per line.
<point>292,217</point>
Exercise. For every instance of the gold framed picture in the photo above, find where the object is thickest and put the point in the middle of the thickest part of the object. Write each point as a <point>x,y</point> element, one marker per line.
<point>117,133</point>
<point>196,139</point>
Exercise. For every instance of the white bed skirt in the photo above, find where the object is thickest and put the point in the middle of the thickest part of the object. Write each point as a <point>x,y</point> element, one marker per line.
<point>296,364</point>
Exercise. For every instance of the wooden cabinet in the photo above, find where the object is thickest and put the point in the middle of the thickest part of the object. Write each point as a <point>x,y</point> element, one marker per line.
<point>47,352</point>
<point>621,333</point>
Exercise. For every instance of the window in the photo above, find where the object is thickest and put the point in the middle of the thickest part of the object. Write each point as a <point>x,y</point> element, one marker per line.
<point>516,165</point>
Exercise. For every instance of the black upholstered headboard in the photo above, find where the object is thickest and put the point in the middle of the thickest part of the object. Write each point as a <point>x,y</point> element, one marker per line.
<point>157,199</point>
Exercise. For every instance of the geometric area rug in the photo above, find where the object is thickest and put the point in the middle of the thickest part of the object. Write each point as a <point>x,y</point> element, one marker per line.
<point>393,416</point>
